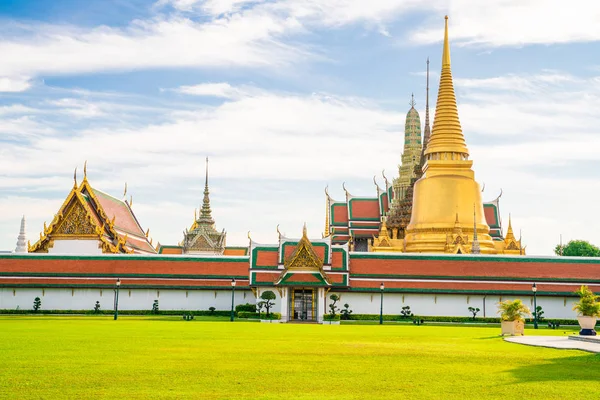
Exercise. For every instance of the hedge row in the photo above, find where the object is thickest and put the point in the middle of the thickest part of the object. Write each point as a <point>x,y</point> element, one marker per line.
<point>254,315</point>
<point>387,317</point>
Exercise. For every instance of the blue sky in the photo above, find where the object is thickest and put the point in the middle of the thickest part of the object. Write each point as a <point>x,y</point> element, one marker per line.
<point>289,96</point>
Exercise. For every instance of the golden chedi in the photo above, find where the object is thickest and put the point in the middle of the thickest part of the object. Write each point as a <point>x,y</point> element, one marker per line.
<point>445,196</point>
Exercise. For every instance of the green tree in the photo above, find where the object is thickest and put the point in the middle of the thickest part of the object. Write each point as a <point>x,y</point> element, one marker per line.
<point>97,307</point>
<point>267,298</point>
<point>37,303</point>
<point>332,307</point>
<point>577,248</point>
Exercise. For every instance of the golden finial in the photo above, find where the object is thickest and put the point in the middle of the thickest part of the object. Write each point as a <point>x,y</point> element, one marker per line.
<point>45,227</point>
<point>376,185</point>
<point>125,191</point>
<point>327,190</point>
<point>385,179</point>
<point>195,214</point>
<point>412,100</point>
<point>75,178</point>
<point>278,233</point>
<point>130,201</point>
<point>85,170</point>
<point>483,187</point>
<point>147,232</point>
<point>446,52</point>
<point>304,231</point>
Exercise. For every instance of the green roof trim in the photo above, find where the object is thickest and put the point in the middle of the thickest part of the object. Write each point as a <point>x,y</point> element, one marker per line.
<point>473,258</point>
<point>141,257</point>
<point>123,286</point>
<point>475,278</point>
<point>317,244</point>
<point>114,275</point>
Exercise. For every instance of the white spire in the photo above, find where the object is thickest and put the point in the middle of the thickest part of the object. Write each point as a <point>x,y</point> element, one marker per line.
<point>22,239</point>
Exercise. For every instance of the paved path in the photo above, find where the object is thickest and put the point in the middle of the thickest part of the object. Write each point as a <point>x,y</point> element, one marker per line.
<point>556,342</point>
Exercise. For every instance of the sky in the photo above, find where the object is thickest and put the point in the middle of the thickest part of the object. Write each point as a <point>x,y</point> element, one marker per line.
<point>286,97</point>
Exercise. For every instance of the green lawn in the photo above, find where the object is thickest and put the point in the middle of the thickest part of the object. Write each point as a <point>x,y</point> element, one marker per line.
<point>150,358</point>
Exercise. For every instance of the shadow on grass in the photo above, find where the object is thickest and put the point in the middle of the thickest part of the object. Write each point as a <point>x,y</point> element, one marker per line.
<point>578,368</point>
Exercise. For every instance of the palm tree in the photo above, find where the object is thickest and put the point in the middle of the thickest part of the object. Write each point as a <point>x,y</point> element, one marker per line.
<point>513,310</point>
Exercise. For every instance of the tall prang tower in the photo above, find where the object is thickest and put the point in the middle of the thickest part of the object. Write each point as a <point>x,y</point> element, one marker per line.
<point>411,155</point>
<point>444,198</point>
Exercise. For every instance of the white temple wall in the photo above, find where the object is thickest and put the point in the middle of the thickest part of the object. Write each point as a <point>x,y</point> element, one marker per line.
<point>360,303</point>
<point>79,247</point>
<point>450,305</point>
<point>129,299</point>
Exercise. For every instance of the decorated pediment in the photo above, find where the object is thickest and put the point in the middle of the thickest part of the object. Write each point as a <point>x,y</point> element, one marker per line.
<point>76,221</point>
<point>303,266</point>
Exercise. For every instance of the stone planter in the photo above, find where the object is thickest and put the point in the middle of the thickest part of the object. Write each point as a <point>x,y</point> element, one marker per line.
<point>271,321</point>
<point>325,322</point>
<point>513,328</point>
<point>587,325</point>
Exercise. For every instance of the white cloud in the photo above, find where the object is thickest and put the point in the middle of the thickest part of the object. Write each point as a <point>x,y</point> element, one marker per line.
<point>513,22</point>
<point>223,90</point>
<point>14,84</point>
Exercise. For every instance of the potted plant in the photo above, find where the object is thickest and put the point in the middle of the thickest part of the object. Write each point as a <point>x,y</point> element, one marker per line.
<point>588,309</point>
<point>512,315</point>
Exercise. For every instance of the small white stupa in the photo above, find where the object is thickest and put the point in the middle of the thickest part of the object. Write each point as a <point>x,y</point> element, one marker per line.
<point>22,239</point>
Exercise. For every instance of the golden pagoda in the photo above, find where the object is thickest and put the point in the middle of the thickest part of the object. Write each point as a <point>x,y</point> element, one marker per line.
<point>445,196</point>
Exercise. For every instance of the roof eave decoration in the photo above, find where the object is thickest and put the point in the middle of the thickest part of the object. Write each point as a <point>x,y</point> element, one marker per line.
<point>106,233</point>
<point>303,259</point>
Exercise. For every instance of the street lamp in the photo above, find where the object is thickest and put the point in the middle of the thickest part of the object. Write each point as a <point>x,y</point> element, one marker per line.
<point>382,286</point>
<point>117,285</point>
<point>232,297</point>
<point>535,313</point>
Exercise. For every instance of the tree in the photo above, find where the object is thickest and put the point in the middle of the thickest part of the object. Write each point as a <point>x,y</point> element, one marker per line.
<point>577,248</point>
<point>267,298</point>
<point>346,311</point>
<point>332,307</point>
<point>37,303</point>
<point>513,310</point>
<point>539,313</point>
<point>474,311</point>
<point>406,312</point>
<point>155,307</point>
<point>97,307</point>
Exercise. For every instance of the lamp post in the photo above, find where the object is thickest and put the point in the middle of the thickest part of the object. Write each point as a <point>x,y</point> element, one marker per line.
<point>382,286</point>
<point>232,297</point>
<point>117,285</point>
<point>535,316</point>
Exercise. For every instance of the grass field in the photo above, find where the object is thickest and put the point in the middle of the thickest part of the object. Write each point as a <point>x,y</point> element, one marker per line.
<point>153,358</point>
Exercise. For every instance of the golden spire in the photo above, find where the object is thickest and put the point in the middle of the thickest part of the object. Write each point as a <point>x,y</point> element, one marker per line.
<point>509,232</point>
<point>85,170</point>
<point>447,135</point>
<point>75,178</point>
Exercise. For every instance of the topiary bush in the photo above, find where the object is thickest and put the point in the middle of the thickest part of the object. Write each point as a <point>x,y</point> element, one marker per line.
<point>253,315</point>
<point>246,307</point>
<point>268,297</point>
<point>155,309</point>
<point>97,308</point>
<point>346,311</point>
<point>37,304</point>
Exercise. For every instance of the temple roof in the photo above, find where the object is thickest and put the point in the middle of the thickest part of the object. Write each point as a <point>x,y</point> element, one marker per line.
<point>203,236</point>
<point>89,213</point>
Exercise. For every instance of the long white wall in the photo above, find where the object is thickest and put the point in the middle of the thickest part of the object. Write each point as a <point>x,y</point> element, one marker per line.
<point>129,299</point>
<point>360,303</point>
<point>451,305</point>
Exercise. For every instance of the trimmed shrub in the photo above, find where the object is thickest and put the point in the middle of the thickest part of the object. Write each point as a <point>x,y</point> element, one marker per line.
<point>346,311</point>
<point>37,303</point>
<point>330,317</point>
<point>211,310</point>
<point>267,298</point>
<point>253,315</point>
<point>97,308</point>
<point>245,307</point>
